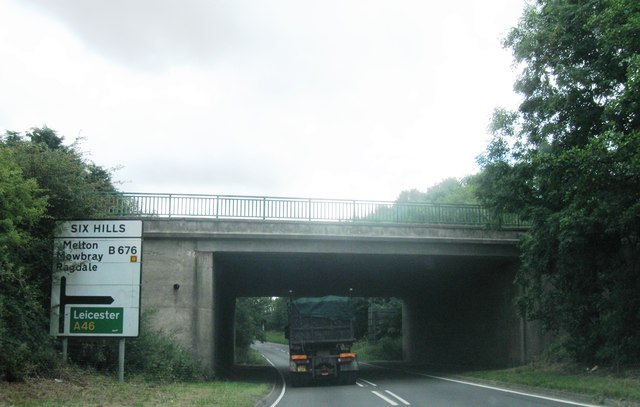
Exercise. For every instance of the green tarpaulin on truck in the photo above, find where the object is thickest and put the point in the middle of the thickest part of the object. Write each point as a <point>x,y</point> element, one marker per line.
<point>330,307</point>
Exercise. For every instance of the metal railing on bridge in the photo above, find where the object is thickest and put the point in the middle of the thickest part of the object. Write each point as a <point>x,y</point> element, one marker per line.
<point>277,208</point>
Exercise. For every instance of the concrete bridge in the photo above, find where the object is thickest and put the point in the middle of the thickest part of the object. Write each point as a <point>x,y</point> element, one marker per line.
<point>455,281</point>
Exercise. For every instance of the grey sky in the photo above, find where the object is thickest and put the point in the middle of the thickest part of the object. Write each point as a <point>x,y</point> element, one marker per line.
<point>336,99</point>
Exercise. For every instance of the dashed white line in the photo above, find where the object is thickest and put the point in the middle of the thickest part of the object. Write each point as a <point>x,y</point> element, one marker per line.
<point>360,384</point>
<point>403,401</point>
<point>385,398</point>
<point>368,382</point>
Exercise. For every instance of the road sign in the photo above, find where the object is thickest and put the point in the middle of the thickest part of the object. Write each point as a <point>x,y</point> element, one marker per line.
<point>96,278</point>
<point>96,320</point>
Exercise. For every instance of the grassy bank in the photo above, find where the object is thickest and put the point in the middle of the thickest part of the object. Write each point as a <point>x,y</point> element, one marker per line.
<point>600,383</point>
<point>76,387</point>
<point>384,349</point>
<point>276,337</point>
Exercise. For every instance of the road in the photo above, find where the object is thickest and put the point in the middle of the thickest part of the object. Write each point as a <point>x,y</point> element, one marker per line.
<point>383,387</point>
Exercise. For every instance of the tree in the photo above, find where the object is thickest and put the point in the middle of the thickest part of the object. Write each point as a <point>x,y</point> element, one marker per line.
<point>568,161</point>
<point>384,318</point>
<point>447,191</point>
<point>67,181</point>
<point>251,316</point>
<point>278,316</point>
<point>22,345</point>
<point>41,180</point>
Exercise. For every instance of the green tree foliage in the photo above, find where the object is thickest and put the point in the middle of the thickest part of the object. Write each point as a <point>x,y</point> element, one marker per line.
<point>67,181</point>
<point>23,345</point>
<point>446,202</point>
<point>448,191</point>
<point>41,180</point>
<point>384,318</point>
<point>568,160</point>
<point>251,317</point>
<point>277,318</point>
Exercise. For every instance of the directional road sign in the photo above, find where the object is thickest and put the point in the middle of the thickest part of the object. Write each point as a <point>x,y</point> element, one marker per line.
<point>96,278</point>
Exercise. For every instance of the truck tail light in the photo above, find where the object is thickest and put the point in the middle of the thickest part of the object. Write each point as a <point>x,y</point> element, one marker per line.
<point>300,359</point>
<point>346,357</point>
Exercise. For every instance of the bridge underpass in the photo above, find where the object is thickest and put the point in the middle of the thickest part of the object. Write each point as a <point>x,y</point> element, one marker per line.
<point>455,282</point>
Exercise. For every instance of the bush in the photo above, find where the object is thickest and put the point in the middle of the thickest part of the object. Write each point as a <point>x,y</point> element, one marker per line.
<point>385,349</point>
<point>153,355</point>
<point>156,356</point>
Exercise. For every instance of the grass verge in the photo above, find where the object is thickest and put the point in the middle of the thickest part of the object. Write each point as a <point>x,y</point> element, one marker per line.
<point>384,349</point>
<point>600,384</point>
<point>276,337</point>
<point>248,356</point>
<point>79,387</point>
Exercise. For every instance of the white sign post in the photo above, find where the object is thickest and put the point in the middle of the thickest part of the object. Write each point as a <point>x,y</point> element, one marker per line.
<point>95,289</point>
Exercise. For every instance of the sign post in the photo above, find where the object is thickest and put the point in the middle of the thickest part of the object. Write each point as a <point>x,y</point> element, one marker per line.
<point>95,288</point>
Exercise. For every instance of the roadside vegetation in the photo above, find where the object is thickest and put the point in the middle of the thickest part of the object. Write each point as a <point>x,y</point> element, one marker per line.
<point>42,180</point>
<point>154,356</point>
<point>567,161</point>
<point>383,349</point>
<point>276,337</point>
<point>596,382</point>
<point>82,387</point>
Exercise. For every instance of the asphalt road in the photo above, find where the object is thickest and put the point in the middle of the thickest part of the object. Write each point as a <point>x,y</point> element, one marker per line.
<point>383,387</point>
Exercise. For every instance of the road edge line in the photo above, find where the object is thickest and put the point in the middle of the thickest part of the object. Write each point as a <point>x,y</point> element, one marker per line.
<point>284,383</point>
<point>521,393</point>
<point>504,390</point>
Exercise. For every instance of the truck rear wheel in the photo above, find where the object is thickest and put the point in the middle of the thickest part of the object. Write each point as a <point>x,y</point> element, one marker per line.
<point>299,379</point>
<point>348,378</point>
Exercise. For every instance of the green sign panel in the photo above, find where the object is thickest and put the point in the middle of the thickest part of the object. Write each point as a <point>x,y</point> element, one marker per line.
<point>96,320</point>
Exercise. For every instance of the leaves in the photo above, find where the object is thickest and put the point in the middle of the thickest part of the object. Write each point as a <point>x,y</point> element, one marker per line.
<point>568,160</point>
<point>40,180</point>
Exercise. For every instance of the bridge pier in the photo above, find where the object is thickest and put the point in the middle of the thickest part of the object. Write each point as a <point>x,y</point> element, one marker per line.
<point>224,335</point>
<point>204,308</point>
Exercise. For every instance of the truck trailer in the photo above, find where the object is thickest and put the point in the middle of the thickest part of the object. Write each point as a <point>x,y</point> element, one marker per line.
<point>321,333</point>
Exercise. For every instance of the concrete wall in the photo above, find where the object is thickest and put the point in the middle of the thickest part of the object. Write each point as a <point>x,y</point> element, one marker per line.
<point>178,293</point>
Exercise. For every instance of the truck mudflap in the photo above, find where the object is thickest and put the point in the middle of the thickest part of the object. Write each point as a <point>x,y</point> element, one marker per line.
<point>342,368</point>
<point>348,368</point>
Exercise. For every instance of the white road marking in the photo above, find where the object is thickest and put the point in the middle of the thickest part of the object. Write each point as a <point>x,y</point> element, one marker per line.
<point>284,384</point>
<point>369,383</point>
<point>360,384</point>
<point>385,398</point>
<point>403,401</point>
<point>537,396</point>
<point>573,403</point>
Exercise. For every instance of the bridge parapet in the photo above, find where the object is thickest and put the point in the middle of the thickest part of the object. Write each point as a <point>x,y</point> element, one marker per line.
<point>127,204</point>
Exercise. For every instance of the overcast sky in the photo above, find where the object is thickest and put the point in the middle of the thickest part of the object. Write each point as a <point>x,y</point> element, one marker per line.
<point>328,99</point>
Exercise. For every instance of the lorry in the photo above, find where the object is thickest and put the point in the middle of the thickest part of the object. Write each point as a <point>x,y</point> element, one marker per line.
<point>320,334</point>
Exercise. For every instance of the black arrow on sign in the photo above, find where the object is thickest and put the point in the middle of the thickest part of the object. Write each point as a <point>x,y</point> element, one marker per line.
<point>77,299</point>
